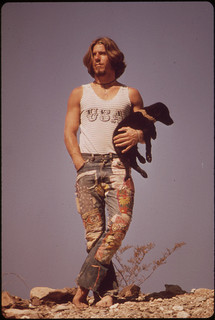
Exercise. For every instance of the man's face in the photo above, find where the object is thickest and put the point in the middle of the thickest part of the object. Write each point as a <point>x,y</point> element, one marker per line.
<point>101,64</point>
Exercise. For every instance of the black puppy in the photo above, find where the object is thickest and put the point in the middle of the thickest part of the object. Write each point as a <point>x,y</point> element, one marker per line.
<point>142,120</point>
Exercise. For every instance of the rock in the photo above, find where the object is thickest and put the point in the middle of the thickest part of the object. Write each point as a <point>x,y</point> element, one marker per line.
<point>183,314</point>
<point>20,314</point>
<point>200,299</point>
<point>197,312</point>
<point>202,291</point>
<point>40,292</point>
<point>62,307</point>
<point>12,301</point>
<point>188,305</point>
<point>177,308</point>
<point>6,299</point>
<point>39,295</point>
<point>174,289</point>
<point>35,301</point>
<point>131,291</point>
<point>114,306</point>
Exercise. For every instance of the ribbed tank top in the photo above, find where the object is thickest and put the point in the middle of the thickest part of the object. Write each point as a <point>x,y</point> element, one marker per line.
<point>99,118</point>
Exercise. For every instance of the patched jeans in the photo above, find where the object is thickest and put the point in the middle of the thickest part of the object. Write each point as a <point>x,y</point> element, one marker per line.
<point>100,184</point>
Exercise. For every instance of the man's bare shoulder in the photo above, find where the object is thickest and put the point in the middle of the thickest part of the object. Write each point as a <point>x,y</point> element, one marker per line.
<point>77,91</point>
<point>75,95</point>
<point>135,98</point>
<point>133,91</point>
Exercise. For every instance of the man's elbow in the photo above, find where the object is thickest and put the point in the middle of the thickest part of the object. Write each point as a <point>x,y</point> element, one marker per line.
<point>69,137</point>
<point>66,137</point>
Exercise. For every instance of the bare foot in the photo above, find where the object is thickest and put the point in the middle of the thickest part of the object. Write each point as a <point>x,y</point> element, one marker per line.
<point>80,298</point>
<point>106,301</point>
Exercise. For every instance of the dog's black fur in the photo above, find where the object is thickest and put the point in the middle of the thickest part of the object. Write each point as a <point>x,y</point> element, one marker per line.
<point>136,120</point>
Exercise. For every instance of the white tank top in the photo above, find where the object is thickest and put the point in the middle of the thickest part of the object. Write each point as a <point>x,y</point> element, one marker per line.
<point>99,118</point>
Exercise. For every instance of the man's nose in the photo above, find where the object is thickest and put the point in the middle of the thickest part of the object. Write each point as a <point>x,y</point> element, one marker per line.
<point>97,57</point>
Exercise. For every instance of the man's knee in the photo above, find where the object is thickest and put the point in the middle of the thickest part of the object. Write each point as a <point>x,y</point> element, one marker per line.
<point>112,239</point>
<point>92,238</point>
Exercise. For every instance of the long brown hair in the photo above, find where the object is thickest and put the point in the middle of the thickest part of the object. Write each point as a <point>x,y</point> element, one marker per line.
<point>116,57</point>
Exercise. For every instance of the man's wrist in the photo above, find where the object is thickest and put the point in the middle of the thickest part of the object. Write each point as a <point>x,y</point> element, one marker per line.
<point>140,136</point>
<point>79,165</point>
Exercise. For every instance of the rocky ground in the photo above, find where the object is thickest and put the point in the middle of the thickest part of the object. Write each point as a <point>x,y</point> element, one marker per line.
<point>46,303</point>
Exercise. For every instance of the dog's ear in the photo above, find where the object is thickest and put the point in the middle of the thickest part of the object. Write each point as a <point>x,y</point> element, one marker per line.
<point>155,109</point>
<point>158,109</point>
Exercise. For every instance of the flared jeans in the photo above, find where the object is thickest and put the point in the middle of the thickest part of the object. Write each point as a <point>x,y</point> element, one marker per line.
<point>100,184</point>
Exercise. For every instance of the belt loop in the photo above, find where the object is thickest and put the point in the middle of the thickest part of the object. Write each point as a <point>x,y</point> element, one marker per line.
<point>92,157</point>
<point>111,156</point>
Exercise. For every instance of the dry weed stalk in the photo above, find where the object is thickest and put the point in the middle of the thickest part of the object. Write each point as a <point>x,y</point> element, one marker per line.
<point>135,270</point>
<point>18,276</point>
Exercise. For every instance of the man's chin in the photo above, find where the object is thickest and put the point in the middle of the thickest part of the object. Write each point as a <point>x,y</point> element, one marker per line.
<point>100,74</point>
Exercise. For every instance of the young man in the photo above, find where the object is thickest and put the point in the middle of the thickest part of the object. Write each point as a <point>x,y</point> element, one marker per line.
<point>97,108</point>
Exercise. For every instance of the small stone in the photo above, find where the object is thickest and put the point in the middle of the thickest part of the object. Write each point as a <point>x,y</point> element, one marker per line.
<point>177,308</point>
<point>114,306</point>
<point>61,307</point>
<point>140,298</point>
<point>201,299</point>
<point>197,312</point>
<point>131,291</point>
<point>91,300</point>
<point>183,314</point>
<point>35,301</point>
<point>57,316</point>
<point>168,311</point>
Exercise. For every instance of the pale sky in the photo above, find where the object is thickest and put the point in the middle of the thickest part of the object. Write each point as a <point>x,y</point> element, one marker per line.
<point>168,49</point>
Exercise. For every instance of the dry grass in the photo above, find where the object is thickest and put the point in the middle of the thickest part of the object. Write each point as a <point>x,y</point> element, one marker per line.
<point>134,270</point>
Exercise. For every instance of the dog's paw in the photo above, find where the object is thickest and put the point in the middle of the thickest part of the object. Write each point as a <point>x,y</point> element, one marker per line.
<point>141,159</point>
<point>149,158</point>
<point>144,174</point>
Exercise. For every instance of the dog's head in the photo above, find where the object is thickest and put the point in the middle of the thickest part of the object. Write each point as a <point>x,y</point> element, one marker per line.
<point>160,112</point>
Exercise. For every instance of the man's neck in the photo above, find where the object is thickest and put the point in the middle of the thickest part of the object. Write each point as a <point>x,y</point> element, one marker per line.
<point>102,83</point>
<point>105,79</point>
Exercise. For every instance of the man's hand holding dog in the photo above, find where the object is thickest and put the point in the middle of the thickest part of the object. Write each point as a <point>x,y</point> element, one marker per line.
<point>128,138</point>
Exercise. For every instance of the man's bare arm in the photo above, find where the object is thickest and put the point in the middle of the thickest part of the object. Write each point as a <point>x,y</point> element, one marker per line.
<point>72,122</point>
